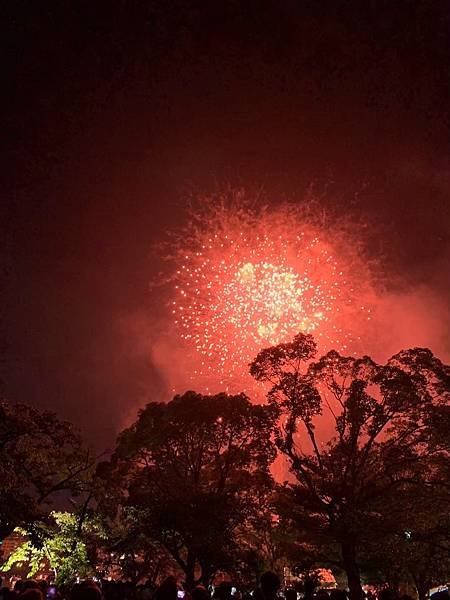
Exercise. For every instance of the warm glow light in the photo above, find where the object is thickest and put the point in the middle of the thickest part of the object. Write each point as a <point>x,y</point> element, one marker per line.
<point>252,279</point>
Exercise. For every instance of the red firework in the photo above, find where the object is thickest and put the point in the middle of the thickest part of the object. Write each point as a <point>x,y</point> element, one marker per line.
<point>252,278</point>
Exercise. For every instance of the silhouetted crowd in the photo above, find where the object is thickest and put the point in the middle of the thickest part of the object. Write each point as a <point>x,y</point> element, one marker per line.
<point>269,589</point>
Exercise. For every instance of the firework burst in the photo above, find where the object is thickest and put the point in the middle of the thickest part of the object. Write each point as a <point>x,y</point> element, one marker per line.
<point>249,278</point>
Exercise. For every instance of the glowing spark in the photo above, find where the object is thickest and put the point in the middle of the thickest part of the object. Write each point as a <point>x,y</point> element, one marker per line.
<point>252,279</point>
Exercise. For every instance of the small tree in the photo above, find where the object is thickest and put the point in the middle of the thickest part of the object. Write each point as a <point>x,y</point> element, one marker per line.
<point>191,469</point>
<point>379,445</point>
<point>57,544</point>
<point>39,456</point>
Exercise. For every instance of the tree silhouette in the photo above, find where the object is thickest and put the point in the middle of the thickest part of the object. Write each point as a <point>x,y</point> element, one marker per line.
<point>191,469</point>
<point>39,457</point>
<point>379,446</point>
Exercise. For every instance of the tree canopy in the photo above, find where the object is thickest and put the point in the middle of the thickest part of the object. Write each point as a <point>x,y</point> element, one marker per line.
<point>39,456</point>
<point>189,487</point>
<point>57,544</point>
<point>192,469</point>
<point>381,444</point>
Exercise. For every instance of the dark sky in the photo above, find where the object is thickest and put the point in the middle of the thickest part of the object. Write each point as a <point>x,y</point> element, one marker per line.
<point>114,111</point>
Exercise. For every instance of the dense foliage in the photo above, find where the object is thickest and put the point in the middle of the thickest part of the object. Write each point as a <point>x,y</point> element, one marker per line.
<point>361,457</point>
<point>355,481</point>
<point>57,545</point>
<point>191,470</point>
<point>39,457</point>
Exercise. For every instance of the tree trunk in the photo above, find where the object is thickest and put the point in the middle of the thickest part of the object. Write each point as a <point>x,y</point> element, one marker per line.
<point>309,587</point>
<point>206,576</point>
<point>422,593</point>
<point>422,586</point>
<point>190,571</point>
<point>352,570</point>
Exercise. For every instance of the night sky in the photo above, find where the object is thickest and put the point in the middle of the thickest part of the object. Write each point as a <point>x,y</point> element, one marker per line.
<point>115,112</point>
